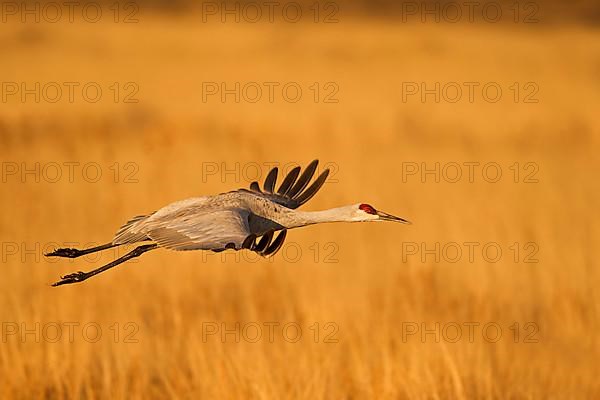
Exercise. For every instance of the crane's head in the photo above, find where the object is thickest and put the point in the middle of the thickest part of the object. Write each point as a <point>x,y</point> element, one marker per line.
<point>366,212</point>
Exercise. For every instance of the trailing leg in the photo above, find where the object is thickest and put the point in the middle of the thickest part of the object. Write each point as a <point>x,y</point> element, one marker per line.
<point>82,276</point>
<point>74,253</point>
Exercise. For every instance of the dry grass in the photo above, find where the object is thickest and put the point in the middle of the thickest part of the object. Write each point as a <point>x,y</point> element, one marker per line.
<point>370,292</point>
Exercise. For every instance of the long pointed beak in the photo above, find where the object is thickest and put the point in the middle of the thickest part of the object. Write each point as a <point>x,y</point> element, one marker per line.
<point>389,217</point>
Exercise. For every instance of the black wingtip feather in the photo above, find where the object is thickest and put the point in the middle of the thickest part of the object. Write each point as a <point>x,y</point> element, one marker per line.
<point>276,245</point>
<point>249,241</point>
<point>289,181</point>
<point>263,242</point>
<point>313,189</point>
<point>254,186</point>
<point>304,179</point>
<point>269,185</point>
<point>293,191</point>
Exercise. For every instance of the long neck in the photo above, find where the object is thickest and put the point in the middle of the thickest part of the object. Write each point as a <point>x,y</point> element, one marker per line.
<point>295,218</point>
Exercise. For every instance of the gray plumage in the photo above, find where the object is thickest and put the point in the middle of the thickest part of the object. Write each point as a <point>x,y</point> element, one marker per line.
<point>226,220</point>
<point>254,219</point>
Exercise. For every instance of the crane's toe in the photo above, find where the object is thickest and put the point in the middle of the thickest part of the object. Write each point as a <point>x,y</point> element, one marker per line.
<point>71,278</point>
<point>66,252</point>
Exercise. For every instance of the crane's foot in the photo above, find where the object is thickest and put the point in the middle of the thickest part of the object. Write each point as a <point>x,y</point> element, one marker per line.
<point>66,252</point>
<point>71,278</point>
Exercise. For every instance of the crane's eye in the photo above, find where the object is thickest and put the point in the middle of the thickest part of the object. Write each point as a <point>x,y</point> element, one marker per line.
<point>368,209</point>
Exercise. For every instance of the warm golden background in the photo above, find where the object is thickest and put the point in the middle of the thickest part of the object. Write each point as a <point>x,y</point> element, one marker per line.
<point>370,293</point>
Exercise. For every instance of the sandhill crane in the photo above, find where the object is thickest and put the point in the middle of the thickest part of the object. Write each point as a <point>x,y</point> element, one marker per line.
<point>233,220</point>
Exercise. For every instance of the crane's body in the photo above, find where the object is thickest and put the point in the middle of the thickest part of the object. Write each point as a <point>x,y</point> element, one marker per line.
<point>232,220</point>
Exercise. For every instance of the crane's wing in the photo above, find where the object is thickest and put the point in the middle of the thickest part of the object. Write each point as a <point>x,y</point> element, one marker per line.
<point>266,246</point>
<point>292,193</point>
<point>210,230</point>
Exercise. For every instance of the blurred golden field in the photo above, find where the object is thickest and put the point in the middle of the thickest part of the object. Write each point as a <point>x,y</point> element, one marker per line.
<point>154,313</point>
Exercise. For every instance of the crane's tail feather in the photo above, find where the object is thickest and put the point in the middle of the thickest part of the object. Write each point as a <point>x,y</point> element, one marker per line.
<point>130,232</point>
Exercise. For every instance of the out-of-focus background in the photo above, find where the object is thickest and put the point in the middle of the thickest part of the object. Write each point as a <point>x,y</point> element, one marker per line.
<point>478,124</point>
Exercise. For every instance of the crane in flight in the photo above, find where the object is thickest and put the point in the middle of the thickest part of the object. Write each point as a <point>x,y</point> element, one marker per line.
<point>236,220</point>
